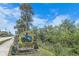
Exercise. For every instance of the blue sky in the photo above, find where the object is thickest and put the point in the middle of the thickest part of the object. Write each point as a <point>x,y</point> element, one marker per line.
<point>44,13</point>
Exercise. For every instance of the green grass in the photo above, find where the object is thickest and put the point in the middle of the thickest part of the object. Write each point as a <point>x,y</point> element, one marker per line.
<point>1,42</point>
<point>45,52</point>
<point>39,52</point>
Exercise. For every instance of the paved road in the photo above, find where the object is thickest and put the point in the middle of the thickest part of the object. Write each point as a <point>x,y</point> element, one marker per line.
<point>4,48</point>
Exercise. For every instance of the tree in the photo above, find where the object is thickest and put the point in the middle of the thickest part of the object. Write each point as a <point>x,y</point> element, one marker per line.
<point>25,22</point>
<point>68,25</point>
<point>67,29</point>
<point>26,15</point>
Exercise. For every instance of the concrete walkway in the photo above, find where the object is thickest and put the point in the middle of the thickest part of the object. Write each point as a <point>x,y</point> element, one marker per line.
<point>4,48</point>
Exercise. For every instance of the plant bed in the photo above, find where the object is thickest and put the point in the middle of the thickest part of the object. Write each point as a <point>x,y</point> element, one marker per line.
<point>1,42</point>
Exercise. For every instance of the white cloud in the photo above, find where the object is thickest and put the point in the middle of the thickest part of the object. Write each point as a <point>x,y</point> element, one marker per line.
<point>6,13</point>
<point>16,12</point>
<point>6,25</point>
<point>3,21</point>
<point>76,22</point>
<point>10,12</point>
<point>40,22</point>
<point>58,19</point>
<point>11,28</point>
